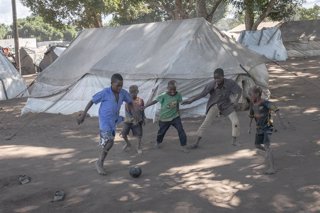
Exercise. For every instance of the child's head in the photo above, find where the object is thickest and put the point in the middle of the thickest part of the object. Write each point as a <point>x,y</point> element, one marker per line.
<point>116,82</point>
<point>133,90</point>
<point>172,88</point>
<point>218,75</point>
<point>255,93</point>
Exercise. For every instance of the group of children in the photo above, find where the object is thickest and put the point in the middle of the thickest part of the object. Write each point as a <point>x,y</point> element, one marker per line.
<point>220,90</point>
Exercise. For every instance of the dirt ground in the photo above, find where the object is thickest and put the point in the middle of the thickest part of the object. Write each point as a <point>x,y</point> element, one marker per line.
<point>59,155</point>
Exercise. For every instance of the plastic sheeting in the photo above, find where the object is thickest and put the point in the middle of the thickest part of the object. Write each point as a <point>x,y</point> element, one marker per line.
<point>267,42</point>
<point>301,38</point>
<point>11,83</point>
<point>148,55</point>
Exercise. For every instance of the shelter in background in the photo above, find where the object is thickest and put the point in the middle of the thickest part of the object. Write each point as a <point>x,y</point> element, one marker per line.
<point>267,42</point>
<point>235,32</point>
<point>148,55</point>
<point>50,56</point>
<point>11,83</point>
<point>301,38</point>
<point>30,59</point>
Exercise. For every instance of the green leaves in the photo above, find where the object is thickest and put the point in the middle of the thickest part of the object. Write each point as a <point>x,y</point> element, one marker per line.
<point>35,27</point>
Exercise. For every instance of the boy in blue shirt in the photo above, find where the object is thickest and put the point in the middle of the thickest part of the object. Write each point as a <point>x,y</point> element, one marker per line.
<point>111,99</point>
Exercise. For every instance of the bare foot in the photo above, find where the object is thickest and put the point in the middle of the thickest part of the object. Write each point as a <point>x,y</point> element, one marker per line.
<point>126,147</point>
<point>259,146</point>
<point>236,144</point>
<point>157,145</point>
<point>193,146</point>
<point>100,169</point>
<point>270,172</point>
<point>139,150</point>
<point>184,149</point>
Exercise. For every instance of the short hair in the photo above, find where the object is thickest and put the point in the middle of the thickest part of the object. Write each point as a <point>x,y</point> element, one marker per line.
<point>116,77</point>
<point>172,83</point>
<point>133,87</point>
<point>256,90</point>
<point>219,71</point>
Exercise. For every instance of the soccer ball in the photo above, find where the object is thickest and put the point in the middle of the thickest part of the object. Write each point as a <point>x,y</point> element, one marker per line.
<point>135,171</point>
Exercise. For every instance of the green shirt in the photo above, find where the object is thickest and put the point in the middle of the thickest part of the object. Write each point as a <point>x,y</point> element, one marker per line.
<point>169,106</point>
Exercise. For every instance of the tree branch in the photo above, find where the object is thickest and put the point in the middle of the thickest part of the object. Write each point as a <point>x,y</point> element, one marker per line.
<point>264,14</point>
<point>214,8</point>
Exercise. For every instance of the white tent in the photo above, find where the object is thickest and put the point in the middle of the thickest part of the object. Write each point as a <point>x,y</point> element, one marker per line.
<point>267,42</point>
<point>301,38</point>
<point>11,83</point>
<point>50,56</point>
<point>148,55</point>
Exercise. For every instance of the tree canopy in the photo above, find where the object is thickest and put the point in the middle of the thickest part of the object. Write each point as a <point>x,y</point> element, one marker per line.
<point>91,13</point>
<point>35,27</point>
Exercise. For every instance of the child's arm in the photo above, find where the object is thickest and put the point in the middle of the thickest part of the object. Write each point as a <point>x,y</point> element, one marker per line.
<point>251,116</point>
<point>150,104</point>
<point>204,92</point>
<point>83,115</point>
<point>249,130</point>
<point>193,99</point>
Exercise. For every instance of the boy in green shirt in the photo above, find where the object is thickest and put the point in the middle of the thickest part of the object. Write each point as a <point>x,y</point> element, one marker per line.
<point>169,114</point>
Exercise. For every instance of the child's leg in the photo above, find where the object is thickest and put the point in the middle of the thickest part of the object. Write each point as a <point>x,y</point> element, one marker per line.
<point>269,155</point>
<point>137,132</point>
<point>163,128</point>
<point>212,113</point>
<point>106,146</point>
<point>125,131</point>
<point>182,135</point>
<point>139,147</point>
<point>258,141</point>
<point>235,127</point>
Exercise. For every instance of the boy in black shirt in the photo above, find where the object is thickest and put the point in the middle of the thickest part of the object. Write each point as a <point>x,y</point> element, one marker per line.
<point>260,110</point>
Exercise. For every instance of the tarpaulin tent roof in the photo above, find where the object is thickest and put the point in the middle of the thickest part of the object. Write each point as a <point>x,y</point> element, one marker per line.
<point>147,55</point>
<point>11,83</point>
<point>301,38</point>
<point>267,42</point>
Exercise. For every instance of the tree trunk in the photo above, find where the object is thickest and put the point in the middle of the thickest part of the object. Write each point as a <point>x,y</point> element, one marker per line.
<point>264,14</point>
<point>249,15</point>
<point>178,13</point>
<point>201,8</point>
<point>214,8</point>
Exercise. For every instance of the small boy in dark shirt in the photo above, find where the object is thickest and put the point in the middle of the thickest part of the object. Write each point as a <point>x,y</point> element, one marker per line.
<point>134,123</point>
<point>260,110</point>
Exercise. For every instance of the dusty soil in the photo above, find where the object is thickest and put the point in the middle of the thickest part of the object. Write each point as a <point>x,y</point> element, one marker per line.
<point>59,155</point>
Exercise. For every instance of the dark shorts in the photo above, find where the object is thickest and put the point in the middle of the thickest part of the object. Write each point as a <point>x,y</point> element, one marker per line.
<point>136,129</point>
<point>263,138</point>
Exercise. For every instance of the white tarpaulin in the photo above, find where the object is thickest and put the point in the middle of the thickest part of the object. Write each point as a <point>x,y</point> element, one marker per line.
<point>301,38</point>
<point>148,55</point>
<point>11,83</point>
<point>267,42</point>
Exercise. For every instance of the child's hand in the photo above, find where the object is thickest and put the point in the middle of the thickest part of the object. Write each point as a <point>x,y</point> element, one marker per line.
<point>249,130</point>
<point>80,118</point>
<point>185,102</point>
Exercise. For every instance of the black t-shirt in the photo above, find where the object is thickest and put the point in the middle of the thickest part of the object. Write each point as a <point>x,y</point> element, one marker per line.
<point>262,114</point>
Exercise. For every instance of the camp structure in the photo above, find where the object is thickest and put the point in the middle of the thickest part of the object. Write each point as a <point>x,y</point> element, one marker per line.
<point>147,55</point>
<point>11,83</point>
<point>50,56</point>
<point>267,42</point>
<point>30,59</point>
<point>301,38</point>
